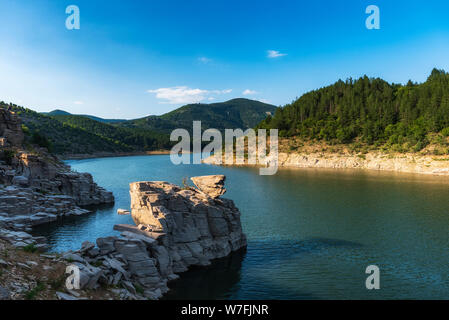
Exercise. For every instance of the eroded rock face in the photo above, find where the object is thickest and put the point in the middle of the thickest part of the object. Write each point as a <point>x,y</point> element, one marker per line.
<point>10,129</point>
<point>37,188</point>
<point>213,186</point>
<point>46,173</point>
<point>175,228</point>
<point>197,227</point>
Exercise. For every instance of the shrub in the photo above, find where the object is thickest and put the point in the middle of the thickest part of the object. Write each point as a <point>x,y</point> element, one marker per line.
<point>41,140</point>
<point>31,295</point>
<point>445,132</point>
<point>7,156</point>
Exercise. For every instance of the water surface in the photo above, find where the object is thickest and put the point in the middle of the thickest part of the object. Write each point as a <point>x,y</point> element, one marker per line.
<point>311,232</point>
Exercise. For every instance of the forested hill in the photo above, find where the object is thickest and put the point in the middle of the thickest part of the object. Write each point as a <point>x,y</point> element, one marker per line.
<point>371,111</point>
<point>65,133</point>
<point>69,134</point>
<point>58,112</point>
<point>232,114</point>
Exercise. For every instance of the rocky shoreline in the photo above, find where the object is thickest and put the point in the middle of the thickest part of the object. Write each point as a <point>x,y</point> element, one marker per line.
<point>407,163</point>
<point>111,154</point>
<point>36,187</point>
<point>175,228</point>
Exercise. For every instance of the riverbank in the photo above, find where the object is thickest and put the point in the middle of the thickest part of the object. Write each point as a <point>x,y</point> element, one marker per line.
<point>395,162</point>
<point>111,154</point>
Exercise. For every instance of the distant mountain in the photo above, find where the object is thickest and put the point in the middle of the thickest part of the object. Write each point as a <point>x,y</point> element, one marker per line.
<point>58,112</point>
<point>232,114</point>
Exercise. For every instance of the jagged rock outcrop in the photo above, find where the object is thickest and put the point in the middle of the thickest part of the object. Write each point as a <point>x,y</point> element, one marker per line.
<point>213,186</point>
<point>22,208</point>
<point>176,228</point>
<point>41,171</point>
<point>46,173</point>
<point>197,227</point>
<point>36,187</point>
<point>11,133</point>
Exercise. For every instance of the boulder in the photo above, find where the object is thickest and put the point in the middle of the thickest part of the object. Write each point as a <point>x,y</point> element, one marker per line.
<point>123,212</point>
<point>20,181</point>
<point>213,186</point>
<point>65,296</point>
<point>4,294</point>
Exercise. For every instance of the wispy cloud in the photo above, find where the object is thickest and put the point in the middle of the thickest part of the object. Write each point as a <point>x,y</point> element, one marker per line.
<point>248,92</point>
<point>221,91</point>
<point>184,94</point>
<point>204,60</point>
<point>78,102</point>
<point>275,54</point>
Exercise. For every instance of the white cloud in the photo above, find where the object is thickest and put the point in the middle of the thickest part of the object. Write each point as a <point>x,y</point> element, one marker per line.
<point>221,91</point>
<point>204,60</point>
<point>275,54</point>
<point>184,94</point>
<point>248,92</point>
<point>78,102</point>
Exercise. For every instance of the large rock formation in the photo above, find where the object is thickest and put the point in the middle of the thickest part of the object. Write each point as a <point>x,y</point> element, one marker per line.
<point>176,228</point>
<point>36,187</point>
<point>40,170</point>
<point>197,227</point>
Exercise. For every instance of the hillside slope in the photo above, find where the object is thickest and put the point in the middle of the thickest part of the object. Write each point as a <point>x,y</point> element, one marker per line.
<point>135,139</point>
<point>371,113</point>
<point>67,134</point>
<point>58,112</point>
<point>232,114</point>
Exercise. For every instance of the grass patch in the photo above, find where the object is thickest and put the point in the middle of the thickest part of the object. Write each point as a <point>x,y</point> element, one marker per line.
<point>31,294</point>
<point>139,289</point>
<point>98,263</point>
<point>31,248</point>
<point>57,283</point>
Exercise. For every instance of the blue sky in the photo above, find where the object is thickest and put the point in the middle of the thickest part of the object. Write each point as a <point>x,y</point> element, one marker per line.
<point>134,58</point>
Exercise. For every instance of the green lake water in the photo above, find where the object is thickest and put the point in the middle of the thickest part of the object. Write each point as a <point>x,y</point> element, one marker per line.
<point>311,233</point>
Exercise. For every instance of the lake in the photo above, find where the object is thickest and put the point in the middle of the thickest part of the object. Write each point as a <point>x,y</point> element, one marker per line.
<point>311,232</point>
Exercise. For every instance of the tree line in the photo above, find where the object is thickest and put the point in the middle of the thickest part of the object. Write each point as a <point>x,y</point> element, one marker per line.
<point>369,110</point>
